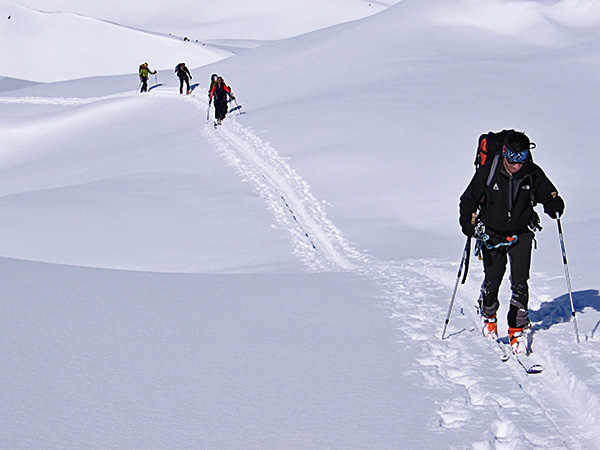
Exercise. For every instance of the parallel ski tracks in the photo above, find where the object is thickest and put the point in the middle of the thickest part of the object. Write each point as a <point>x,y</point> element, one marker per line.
<point>317,242</point>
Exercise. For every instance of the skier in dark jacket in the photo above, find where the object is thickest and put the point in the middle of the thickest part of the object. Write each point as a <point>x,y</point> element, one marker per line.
<point>506,211</point>
<point>219,93</point>
<point>184,76</point>
<point>144,71</point>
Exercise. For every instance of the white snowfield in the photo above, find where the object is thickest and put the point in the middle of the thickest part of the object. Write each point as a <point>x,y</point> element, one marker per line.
<point>282,280</point>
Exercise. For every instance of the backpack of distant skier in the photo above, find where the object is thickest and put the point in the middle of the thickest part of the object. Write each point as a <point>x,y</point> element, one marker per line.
<point>179,69</point>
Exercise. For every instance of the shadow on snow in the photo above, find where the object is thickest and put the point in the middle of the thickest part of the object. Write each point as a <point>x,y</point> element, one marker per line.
<point>155,86</point>
<point>559,310</point>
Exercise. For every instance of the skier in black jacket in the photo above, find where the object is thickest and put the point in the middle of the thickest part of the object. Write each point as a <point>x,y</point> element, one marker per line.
<point>184,77</point>
<point>506,210</point>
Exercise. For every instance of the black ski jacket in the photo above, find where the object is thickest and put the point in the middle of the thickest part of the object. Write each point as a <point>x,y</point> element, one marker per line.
<point>182,71</point>
<point>507,202</point>
<point>220,93</point>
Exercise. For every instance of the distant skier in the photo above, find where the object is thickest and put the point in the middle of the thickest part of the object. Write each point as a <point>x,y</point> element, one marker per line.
<point>184,76</point>
<point>144,71</point>
<point>219,93</point>
<point>506,201</point>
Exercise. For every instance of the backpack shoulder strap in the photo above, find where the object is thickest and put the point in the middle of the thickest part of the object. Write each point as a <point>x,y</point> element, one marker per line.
<point>492,170</point>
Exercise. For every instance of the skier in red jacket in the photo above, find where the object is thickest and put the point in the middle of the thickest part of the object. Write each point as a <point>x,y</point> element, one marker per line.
<point>219,93</point>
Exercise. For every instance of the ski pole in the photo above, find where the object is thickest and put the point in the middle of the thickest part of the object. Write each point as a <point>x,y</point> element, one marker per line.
<point>208,111</point>
<point>462,262</point>
<point>564,256</point>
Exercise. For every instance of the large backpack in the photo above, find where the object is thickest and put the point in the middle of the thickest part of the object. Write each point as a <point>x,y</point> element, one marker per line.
<point>179,69</point>
<point>489,152</point>
<point>489,145</point>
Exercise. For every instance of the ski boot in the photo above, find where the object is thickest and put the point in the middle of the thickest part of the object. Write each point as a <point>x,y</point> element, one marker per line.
<point>518,340</point>
<point>490,327</point>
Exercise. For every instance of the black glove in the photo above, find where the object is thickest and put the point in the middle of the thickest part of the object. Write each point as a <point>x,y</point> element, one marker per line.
<point>554,207</point>
<point>467,227</point>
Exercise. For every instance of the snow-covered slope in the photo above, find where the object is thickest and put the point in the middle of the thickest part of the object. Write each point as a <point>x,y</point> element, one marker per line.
<point>228,20</point>
<point>282,281</point>
<point>57,46</point>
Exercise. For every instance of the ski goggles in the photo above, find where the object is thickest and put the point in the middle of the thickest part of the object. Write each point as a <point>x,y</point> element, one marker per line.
<point>515,157</point>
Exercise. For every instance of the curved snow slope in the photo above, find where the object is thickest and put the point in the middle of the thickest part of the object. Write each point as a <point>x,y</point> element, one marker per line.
<point>48,47</point>
<point>437,84</point>
<point>363,132</point>
<point>234,19</point>
<point>534,21</point>
<point>125,181</point>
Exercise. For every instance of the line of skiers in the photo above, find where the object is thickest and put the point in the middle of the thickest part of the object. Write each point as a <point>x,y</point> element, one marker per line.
<point>499,199</point>
<point>182,72</point>
<point>218,91</point>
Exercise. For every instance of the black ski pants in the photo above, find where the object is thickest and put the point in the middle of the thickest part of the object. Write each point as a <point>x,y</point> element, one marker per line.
<point>187,83</point>
<point>220,108</point>
<point>144,84</point>
<point>494,264</point>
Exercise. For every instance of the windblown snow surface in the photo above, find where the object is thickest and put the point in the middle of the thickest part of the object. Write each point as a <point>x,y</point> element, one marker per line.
<point>282,280</point>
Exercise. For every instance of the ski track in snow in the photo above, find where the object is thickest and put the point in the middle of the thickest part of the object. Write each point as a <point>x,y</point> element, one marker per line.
<point>410,291</point>
<point>65,101</point>
<point>539,410</point>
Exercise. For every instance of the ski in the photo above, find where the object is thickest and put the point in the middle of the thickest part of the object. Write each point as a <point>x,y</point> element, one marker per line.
<point>526,362</point>
<point>505,352</point>
<point>504,356</point>
<point>496,346</point>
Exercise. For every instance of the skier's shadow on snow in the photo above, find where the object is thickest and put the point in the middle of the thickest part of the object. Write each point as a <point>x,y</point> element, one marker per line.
<point>237,110</point>
<point>559,310</point>
<point>155,86</point>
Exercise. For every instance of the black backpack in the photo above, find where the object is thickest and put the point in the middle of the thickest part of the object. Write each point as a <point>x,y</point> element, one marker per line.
<point>179,69</point>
